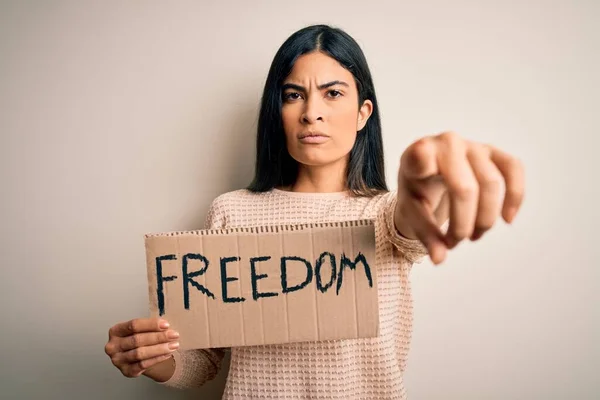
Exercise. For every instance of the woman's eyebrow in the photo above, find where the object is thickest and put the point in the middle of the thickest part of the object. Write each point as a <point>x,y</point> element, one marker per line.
<point>320,87</point>
<point>332,83</point>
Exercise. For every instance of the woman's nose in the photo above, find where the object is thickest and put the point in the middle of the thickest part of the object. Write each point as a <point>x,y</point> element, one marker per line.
<point>312,111</point>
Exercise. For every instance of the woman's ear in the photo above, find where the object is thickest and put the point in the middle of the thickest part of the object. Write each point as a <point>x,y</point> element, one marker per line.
<point>364,113</point>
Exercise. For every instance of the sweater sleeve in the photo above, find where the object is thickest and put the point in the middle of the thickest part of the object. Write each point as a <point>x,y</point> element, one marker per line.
<point>412,249</point>
<point>195,367</point>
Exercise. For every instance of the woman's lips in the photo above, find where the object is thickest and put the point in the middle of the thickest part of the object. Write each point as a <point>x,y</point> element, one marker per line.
<point>313,139</point>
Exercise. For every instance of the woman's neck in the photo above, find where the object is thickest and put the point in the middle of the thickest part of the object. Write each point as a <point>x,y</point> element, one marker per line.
<point>320,179</point>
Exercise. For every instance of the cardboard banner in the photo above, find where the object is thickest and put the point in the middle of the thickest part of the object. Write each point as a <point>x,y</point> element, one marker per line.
<point>265,285</point>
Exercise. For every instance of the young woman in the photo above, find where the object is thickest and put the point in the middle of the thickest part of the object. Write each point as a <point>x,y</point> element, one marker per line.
<point>320,159</point>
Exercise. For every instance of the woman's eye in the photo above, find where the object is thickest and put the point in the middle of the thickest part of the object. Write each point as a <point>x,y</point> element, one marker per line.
<point>334,93</point>
<point>291,96</point>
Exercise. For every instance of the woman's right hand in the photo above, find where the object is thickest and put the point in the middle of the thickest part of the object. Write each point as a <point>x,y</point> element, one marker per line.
<point>139,344</point>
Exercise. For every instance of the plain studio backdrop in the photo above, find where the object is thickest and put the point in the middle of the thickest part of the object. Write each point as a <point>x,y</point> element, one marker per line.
<point>123,118</point>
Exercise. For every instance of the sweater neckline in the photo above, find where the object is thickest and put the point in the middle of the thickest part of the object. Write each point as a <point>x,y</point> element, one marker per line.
<point>323,195</point>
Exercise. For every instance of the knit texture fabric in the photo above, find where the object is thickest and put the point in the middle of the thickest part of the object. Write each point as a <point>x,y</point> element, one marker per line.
<point>336,369</point>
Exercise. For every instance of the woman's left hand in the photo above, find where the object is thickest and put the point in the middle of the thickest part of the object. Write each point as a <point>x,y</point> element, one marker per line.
<point>446,176</point>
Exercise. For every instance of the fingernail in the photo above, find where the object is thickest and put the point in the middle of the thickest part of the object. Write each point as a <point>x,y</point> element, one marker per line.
<point>510,214</point>
<point>173,345</point>
<point>437,256</point>
<point>164,324</point>
<point>172,334</point>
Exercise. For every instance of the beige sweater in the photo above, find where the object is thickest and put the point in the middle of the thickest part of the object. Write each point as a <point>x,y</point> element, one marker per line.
<point>341,369</point>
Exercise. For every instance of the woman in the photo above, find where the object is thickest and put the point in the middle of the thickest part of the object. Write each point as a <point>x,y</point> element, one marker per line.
<point>320,159</point>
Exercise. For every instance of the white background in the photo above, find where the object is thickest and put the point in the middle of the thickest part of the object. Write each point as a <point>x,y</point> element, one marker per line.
<point>123,118</point>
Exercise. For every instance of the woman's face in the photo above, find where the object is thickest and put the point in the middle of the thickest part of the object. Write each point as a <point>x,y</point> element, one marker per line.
<point>320,111</point>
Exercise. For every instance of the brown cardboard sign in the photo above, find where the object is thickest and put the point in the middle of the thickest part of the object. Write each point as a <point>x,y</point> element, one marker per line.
<point>265,285</point>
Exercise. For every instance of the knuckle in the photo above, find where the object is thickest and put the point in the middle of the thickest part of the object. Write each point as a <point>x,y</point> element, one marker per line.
<point>417,151</point>
<point>135,341</point>
<point>127,343</point>
<point>109,349</point>
<point>465,191</point>
<point>132,325</point>
<point>115,360</point>
<point>454,143</point>
<point>421,148</point>
<point>137,354</point>
<point>480,149</point>
<point>491,183</point>
<point>449,136</point>
<point>144,364</point>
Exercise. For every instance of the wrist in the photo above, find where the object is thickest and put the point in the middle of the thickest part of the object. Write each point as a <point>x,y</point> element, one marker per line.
<point>401,222</point>
<point>162,371</point>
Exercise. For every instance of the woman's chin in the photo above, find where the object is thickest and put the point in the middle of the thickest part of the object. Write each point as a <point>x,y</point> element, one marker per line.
<point>318,155</point>
<point>315,160</point>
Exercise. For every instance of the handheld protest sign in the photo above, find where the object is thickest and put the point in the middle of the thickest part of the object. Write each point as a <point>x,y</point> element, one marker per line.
<point>265,285</point>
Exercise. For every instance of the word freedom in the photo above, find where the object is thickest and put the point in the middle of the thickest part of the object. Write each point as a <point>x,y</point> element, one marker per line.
<point>322,283</point>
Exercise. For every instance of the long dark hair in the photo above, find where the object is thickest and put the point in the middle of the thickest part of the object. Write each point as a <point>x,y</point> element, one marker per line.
<point>274,165</point>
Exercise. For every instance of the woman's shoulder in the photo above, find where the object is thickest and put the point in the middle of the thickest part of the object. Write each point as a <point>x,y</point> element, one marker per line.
<point>236,196</point>
<point>378,202</point>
